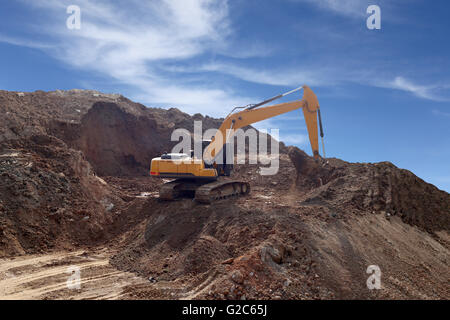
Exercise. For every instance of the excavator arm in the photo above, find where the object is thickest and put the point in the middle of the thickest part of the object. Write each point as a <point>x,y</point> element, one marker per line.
<point>234,121</point>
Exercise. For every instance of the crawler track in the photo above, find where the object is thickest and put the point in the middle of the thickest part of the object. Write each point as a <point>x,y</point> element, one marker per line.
<point>202,191</point>
<point>221,190</point>
<point>170,191</point>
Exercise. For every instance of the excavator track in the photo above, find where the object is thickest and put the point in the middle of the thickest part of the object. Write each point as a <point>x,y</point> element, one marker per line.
<point>221,190</point>
<point>170,190</point>
<point>202,191</point>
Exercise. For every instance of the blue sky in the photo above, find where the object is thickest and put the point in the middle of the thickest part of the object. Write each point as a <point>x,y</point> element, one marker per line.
<point>384,94</point>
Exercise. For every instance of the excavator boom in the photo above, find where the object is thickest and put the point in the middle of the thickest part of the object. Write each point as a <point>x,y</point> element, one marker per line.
<point>233,122</point>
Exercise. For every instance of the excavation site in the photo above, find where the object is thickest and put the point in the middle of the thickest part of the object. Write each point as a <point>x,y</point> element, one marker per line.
<point>80,195</point>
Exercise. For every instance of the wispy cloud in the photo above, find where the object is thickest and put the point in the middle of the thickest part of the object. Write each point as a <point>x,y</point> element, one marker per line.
<point>355,8</point>
<point>280,77</point>
<point>435,92</point>
<point>294,139</point>
<point>441,113</point>
<point>274,76</point>
<point>287,131</point>
<point>129,43</point>
<point>159,49</point>
<point>418,90</point>
<point>24,43</point>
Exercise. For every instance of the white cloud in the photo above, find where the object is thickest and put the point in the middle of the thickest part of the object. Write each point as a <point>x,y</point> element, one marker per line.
<point>287,77</point>
<point>140,44</point>
<point>355,8</point>
<point>250,49</point>
<point>429,92</point>
<point>109,40</point>
<point>151,45</point>
<point>406,85</point>
<point>267,125</point>
<point>293,77</point>
<point>213,102</point>
<point>294,139</point>
<point>24,43</point>
<point>298,139</point>
<point>441,113</point>
<point>129,43</point>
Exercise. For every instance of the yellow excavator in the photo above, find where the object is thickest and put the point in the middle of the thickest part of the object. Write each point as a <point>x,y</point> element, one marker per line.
<point>204,179</point>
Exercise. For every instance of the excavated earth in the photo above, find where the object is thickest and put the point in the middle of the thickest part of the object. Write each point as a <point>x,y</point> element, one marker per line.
<point>75,191</point>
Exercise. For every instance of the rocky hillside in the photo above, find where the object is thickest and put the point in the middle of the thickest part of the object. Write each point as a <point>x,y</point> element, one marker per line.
<point>74,164</point>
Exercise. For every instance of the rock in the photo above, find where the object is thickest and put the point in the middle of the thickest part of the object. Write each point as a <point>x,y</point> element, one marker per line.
<point>287,282</point>
<point>309,172</point>
<point>237,276</point>
<point>228,261</point>
<point>270,254</point>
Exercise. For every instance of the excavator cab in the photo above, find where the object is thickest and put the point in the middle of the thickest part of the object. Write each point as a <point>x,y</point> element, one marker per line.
<point>205,143</point>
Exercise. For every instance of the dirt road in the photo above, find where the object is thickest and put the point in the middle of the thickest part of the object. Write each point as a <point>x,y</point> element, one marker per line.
<point>46,276</point>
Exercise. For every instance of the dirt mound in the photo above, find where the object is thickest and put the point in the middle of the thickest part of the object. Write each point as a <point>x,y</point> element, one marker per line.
<point>30,113</point>
<point>118,136</point>
<point>275,247</point>
<point>377,188</point>
<point>120,143</point>
<point>120,139</point>
<point>305,233</point>
<point>310,173</point>
<point>222,251</point>
<point>53,148</point>
<point>49,197</point>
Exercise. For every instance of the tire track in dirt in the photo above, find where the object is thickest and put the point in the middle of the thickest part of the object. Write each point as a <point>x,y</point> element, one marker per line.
<point>45,277</point>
